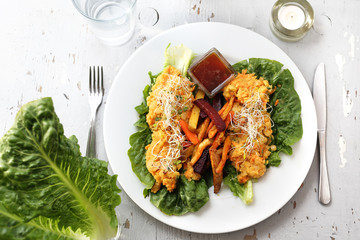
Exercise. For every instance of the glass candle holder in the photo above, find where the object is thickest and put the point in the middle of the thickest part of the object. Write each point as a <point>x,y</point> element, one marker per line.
<point>291,19</point>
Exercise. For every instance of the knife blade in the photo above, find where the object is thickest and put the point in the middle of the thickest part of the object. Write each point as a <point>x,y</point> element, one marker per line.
<point>319,94</point>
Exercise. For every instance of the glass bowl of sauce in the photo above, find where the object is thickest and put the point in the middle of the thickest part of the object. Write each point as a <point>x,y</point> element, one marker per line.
<point>211,72</point>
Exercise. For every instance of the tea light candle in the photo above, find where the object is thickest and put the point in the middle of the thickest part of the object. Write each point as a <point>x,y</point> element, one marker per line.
<point>291,19</point>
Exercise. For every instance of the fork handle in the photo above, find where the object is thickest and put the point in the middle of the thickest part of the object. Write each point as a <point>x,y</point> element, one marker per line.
<point>91,143</point>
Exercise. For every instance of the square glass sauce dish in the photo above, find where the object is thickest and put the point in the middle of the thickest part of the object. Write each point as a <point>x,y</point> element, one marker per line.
<point>211,72</point>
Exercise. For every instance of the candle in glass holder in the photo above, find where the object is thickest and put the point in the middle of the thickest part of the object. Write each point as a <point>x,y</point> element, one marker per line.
<point>291,19</point>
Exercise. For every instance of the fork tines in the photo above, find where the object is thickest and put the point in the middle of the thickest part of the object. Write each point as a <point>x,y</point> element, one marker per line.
<point>96,80</point>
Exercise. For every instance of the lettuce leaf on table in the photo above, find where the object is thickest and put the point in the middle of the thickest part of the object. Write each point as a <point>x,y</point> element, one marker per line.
<point>47,189</point>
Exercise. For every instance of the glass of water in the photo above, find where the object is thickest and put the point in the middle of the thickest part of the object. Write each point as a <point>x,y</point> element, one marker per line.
<point>112,21</point>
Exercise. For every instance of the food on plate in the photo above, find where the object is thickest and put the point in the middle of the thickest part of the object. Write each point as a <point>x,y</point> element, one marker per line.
<point>187,142</point>
<point>47,189</point>
<point>169,102</point>
<point>195,112</point>
<point>250,129</point>
<point>211,113</point>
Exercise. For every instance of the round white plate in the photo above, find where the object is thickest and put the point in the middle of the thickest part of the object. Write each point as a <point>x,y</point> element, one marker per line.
<point>223,212</point>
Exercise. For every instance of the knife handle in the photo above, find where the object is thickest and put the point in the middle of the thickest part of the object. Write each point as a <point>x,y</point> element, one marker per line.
<point>324,186</point>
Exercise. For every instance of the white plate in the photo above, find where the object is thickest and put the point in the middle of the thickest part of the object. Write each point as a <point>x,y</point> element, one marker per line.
<point>223,212</point>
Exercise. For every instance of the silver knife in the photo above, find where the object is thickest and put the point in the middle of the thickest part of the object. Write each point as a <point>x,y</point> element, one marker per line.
<point>319,94</point>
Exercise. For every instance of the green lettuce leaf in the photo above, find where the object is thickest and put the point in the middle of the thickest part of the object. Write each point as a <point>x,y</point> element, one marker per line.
<point>179,57</point>
<point>139,140</point>
<point>47,187</point>
<point>41,228</point>
<point>189,196</point>
<point>243,191</point>
<point>287,128</point>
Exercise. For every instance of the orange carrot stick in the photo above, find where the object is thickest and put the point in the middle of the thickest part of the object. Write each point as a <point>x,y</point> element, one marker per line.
<point>225,151</point>
<point>189,135</point>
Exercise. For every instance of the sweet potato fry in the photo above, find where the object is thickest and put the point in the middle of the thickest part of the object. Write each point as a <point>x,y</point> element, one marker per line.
<point>217,177</point>
<point>220,136</point>
<point>195,113</point>
<point>204,144</point>
<point>190,135</point>
<point>202,129</point>
<point>228,108</point>
<point>225,151</point>
<point>188,151</point>
<point>218,140</point>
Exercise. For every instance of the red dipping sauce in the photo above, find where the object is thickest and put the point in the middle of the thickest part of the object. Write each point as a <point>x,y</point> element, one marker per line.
<point>212,72</point>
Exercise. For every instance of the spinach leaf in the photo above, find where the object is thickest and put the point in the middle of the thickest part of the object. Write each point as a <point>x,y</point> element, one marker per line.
<point>47,189</point>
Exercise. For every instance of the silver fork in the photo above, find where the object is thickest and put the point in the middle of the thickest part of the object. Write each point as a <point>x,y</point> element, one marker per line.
<point>96,93</point>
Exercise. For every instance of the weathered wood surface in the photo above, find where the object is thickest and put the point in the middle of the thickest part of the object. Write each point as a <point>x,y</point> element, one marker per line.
<point>46,48</point>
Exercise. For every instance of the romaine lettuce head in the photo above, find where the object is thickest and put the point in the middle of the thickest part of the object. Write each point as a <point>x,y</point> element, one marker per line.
<point>47,189</point>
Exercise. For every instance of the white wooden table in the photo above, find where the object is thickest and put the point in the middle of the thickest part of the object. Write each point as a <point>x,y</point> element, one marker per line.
<point>46,49</point>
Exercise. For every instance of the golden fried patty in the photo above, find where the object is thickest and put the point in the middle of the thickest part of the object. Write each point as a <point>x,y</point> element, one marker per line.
<point>170,98</point>
<point>250,130</point>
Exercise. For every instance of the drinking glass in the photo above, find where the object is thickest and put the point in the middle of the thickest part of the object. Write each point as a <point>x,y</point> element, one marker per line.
<point>112,21</point>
